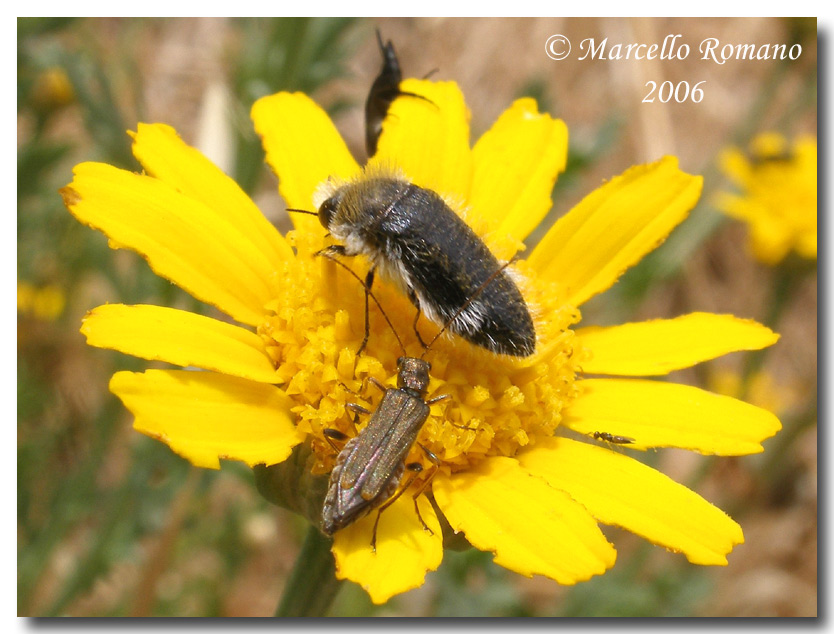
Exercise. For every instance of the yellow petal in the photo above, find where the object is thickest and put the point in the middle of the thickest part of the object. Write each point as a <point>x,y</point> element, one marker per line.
<point>807,245</point>
<point>614,227</point>
<point>303,148</point>
<point>204,416</point>
<point>656,347</point>
<point>736,166</point>
<point>429,140</point>
<point>658,414</point>
<point>164,155</point>
<point>621,491</point>
<point>179,337</point>
<point>531,527</point>
<point>180,237</point>
<point>769,241</point>
<point>516,163</point>
<point>405,551</point>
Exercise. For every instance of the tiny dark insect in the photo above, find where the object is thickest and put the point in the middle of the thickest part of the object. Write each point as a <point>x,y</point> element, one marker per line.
<point>617,440</point>
<point>370,466</point>
<point>785,156</point>
<point>384,90</point>
<point>416,241</point>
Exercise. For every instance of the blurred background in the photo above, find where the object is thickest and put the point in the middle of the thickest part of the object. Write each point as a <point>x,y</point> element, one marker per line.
<point>112,523</point>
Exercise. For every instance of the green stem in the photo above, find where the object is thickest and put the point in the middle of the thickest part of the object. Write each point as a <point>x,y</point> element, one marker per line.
<point>312,586</point>
<point>786,279</point>
<point>781,288</point>
<point>777,462</point>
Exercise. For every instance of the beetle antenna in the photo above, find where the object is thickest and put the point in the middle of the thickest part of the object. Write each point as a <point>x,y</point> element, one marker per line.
<point>368,291</point>
<point>469,300</point>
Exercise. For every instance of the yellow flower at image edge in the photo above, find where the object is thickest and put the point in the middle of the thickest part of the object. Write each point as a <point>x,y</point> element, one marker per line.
<point>284,375</point>
<point>45,303</point>
<point>777,196</point>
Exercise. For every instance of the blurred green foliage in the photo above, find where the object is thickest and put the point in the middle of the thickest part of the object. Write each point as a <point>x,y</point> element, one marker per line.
<point>298,54</point>
<point>70,503</point>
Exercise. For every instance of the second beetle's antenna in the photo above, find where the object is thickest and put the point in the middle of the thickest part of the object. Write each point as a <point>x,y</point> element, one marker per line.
<point>468,301</point>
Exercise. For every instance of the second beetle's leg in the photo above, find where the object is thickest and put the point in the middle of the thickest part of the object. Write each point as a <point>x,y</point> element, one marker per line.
<point>416,468</point>
<point>330,435</point>
<point>421,489</point>
<point>393,499</point>
<point>413,297</point>
<point>357,409</point>
<point>369,280</point>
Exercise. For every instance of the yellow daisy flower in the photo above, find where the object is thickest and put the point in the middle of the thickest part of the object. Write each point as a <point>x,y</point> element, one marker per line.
<point>778,197</point>
<point>45,303</point>
<point>283,376</point>
<point>52,90</point>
